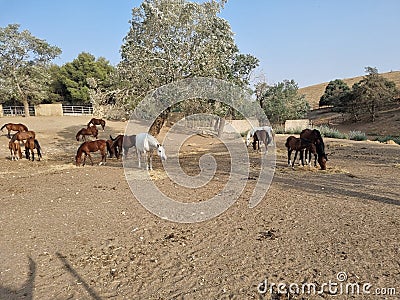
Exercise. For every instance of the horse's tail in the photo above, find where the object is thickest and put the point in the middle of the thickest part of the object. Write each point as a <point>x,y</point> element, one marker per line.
<point>78,134</point>
<point>38,148</point>
<point>3,127</point>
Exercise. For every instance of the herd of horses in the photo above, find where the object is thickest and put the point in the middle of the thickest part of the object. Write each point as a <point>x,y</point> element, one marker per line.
<point>27,137</point>
<point>309,142</point>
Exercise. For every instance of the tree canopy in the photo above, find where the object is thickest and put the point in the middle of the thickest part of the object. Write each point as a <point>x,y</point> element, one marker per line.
<point>334,91</point>
<point>282,101</point>
<point>71,79</point>
<point>177,39</point>
<point>24,62</point>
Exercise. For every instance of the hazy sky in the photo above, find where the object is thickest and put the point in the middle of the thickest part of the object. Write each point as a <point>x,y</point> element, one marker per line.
<point>310,41</point>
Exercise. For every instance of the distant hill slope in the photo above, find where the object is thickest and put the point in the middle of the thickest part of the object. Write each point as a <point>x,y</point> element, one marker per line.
<point>314,92</point>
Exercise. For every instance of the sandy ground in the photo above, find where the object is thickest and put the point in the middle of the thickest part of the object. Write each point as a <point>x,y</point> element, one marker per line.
<point>78,233</point>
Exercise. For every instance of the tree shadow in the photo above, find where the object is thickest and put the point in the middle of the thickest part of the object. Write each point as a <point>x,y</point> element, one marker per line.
<point>26,291</point>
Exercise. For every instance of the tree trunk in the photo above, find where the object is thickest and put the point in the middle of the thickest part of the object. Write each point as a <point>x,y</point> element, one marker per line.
<point>221,127</point>
<point>26,107</point>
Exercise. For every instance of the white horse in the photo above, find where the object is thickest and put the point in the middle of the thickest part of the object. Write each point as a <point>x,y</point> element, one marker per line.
<point>147,143</point>
<point>268,129</point>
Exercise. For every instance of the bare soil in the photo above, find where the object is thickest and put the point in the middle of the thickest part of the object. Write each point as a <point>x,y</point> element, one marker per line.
<point>72,232</point>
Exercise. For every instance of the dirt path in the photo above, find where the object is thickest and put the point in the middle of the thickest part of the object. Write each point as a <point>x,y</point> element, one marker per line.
<point>78,233</point>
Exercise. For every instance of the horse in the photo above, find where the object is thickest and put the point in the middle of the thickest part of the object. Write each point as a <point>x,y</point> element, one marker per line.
<point>95,122</point>
<point>14,127</point>
<point>110,149</point>
<point>91,146</point>
<point>15,150</point>
<point>299,144</point>
<point>92,130</point>
<point>23,135</point>
<point>261,136</point>
<point>147,143</point>
<point>251,132</point>
<point>31,144</point>
<point>123,142</point>
<point>315,137</point>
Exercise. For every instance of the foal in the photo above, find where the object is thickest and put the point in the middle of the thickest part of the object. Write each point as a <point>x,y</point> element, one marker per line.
<point>14,127</point>
<point>95,121</point>
<point>15,150</point>
<point>92,146</point>
<point>298,144</point>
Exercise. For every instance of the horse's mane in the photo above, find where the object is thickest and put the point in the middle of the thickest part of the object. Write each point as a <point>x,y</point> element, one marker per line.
<point>152,139</point>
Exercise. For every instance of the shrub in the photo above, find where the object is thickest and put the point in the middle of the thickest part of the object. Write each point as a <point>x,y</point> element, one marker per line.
<point>331,132</point>
<point>384,139</point>
<point>296,130</point>
<point>357,135</point>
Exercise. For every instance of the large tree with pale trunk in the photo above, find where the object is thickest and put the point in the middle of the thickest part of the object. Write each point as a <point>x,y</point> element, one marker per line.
<point>24,65</point>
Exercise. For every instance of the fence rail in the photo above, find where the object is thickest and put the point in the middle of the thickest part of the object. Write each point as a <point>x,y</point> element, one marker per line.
<point>77,110</point>
<point>17,111</point>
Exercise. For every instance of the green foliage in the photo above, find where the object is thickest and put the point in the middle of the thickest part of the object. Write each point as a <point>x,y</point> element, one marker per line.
<point>384,139</point>
<point>331,132</point>
<point>357,135</point>
<point>372,94</point>
<point>173,40</point>
<point>282,101</point>
<point>71,80</point>
<point>24,65</point>
<point>334,92</point>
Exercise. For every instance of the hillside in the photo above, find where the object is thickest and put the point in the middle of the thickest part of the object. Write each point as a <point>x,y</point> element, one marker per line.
<point>314,92</point>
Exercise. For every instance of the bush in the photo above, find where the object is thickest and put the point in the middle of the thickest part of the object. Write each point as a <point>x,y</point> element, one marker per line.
<point>384,139</point>
<point>331,132</point>
<point>357,135</point>
<point>296,130</point>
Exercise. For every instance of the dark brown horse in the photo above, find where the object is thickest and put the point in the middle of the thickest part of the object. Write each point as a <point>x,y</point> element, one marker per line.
<point>90,131</point>
<point>123,142</point>
<point>298,145</point>
<point>23,135</point>
<point>30,145</point>
<point>14,127</point>
<point>91,146</point>
<point>15,150</point>
<point>315,137</point>
<point>261,136</point>
<point>95,122</point>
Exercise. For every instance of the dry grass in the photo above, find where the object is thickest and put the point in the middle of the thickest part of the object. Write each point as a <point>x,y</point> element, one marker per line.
<point>313,93</point>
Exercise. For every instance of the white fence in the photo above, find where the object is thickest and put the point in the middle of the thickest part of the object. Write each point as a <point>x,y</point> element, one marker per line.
<point>72,110</point>
<point>17,111</point>
<point>68,110</point>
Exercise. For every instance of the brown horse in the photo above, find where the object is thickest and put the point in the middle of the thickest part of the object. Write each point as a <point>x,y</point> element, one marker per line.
<point>95,122</point>
<point>15,150</point>
<point>315,137</point>
<point>92,146</point>
<point>31,144</point>
<point>23,135</point>
<point>92,130</point>
<point>14,127</point>
<point>299,144</point>
<point>123,142</point>
<point>261,136</point>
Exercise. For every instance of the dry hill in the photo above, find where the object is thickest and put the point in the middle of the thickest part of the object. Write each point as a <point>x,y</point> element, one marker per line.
<point>313,93</point>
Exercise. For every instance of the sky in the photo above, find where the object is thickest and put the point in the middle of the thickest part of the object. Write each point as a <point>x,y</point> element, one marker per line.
<point>309,41</point>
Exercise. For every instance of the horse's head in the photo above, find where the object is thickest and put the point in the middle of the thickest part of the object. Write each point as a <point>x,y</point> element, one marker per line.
<point>161,152</point>
<point>322,159</point>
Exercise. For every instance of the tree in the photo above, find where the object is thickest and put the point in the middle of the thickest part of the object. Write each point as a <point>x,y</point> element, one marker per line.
<point>282,101</point>
<point>373,93</point>
<point>24,62</point>
<point>176,39</point>
<point>334,91</point>
<point>71,80</point>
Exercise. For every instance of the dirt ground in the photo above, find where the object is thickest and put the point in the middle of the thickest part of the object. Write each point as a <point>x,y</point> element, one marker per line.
<point>72,232</point>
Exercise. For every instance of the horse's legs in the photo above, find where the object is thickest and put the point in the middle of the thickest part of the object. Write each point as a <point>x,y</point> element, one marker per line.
<point>103,157</point>
<point>90,157</point>
<point>33,155</point>
<point>138,156</point>
<point>289,154</point>
<point>151,160</point>
<point>84,160</point>
<point>294,159</point>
